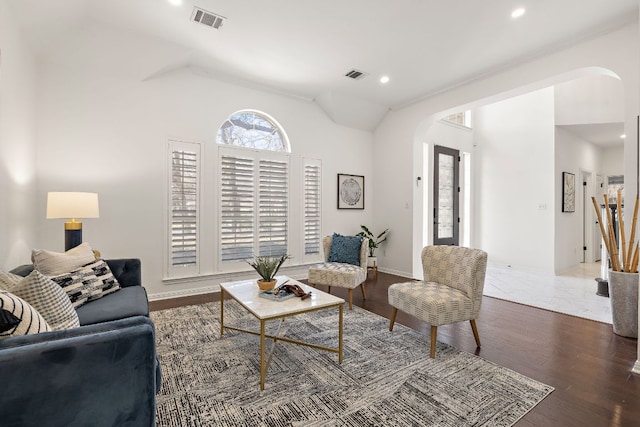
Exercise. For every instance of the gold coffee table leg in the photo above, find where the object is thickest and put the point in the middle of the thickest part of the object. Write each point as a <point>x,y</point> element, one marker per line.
<point>221,311</point>
<point>340,336</point>
<point>263,368</point>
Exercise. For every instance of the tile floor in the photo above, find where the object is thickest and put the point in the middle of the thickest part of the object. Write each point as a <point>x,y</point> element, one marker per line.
<point>571,293</point>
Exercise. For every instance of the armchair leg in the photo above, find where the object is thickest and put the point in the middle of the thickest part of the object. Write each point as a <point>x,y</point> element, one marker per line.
<point>475,331</point>
<point>328,289</point>
<point>393,318</point>
<point>350,299</point>
<point>364,294</point>
<point>434,333</point>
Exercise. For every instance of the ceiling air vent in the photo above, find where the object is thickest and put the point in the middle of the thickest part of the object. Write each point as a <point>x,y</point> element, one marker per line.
<point>355,74</point>
<point>209,19</point>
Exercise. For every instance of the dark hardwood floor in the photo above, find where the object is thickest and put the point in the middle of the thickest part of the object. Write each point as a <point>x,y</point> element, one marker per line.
<point>589,366</point>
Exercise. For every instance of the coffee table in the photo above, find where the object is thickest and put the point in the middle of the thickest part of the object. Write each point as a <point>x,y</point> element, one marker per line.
<point>246,293</point>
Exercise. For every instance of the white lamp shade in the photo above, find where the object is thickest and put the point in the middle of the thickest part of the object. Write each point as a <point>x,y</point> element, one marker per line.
<point>72,205</point>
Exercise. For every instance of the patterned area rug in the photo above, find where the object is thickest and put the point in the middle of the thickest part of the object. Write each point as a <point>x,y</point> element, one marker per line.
<point>386,378</point>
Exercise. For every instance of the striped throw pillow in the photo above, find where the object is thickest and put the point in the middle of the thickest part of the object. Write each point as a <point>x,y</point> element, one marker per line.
<point>29,321</point>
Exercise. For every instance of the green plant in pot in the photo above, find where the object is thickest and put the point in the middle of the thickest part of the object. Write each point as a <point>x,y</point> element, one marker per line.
<point>267,267</point>
<point>374,241</point>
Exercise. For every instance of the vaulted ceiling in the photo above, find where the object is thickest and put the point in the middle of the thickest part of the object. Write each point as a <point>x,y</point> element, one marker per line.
<point>304,48</point>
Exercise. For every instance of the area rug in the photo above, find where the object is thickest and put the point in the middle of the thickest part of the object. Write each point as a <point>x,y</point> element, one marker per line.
<point>386,378</point>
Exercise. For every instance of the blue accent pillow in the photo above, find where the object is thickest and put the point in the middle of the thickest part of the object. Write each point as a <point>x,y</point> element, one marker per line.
<point>345,249</point>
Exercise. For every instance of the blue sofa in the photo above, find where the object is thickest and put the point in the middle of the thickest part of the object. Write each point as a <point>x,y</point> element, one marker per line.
<point>103,373</point>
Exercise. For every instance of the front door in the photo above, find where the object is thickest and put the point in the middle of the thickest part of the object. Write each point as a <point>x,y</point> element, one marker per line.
<point>446,200</point>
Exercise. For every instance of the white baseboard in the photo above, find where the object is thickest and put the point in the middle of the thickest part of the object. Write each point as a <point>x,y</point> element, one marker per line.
<point>211,283</point>
<point>396,272</point>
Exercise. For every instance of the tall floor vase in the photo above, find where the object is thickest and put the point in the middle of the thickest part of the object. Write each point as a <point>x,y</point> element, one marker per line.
<point>623,290</point>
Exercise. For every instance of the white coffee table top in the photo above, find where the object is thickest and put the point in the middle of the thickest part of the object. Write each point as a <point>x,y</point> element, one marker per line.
<point>246,293</point>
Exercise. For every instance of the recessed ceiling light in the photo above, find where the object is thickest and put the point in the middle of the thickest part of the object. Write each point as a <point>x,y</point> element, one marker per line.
<point>623,136</point>
<point>175,2</point>
<point>518,13</point>
<point>384,79</point>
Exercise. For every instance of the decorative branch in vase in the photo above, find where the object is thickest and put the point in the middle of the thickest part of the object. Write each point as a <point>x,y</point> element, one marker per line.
<point>623,276</point>
<point>627,261</point>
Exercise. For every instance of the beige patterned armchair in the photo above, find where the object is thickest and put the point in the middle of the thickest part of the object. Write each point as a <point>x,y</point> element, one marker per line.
<point>341,274</point>
<point>450,292</point>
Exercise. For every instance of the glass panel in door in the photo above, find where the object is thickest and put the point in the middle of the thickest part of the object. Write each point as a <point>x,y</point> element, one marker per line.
<point>446,196</point>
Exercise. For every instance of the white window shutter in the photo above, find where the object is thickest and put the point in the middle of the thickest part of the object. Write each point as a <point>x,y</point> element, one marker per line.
<point>184,207</point>
<point>237,208</point>
<point>312,207</point>
<point>273,207</point>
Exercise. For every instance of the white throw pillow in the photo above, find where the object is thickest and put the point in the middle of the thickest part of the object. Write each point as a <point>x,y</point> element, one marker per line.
<point>54,263</point>
<point>48,298</point>
<point>29,321</point>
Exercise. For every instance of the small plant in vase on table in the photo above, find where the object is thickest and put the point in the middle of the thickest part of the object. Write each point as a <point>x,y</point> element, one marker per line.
<point>374,243</point>
<point>267,267</point>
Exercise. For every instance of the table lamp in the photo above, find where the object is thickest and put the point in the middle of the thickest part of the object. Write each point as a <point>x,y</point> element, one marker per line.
<point>74,206</point>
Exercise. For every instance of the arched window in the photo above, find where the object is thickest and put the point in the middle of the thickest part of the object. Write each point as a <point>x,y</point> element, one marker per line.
<point>254,213</point>
<point>254,188</point>
<point>253,129</point>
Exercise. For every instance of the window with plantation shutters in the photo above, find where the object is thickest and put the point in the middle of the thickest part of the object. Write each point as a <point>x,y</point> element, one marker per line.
<point>184,183</point>
<point>312,207</point>
<point>254,204</point>
<point>253,197</point>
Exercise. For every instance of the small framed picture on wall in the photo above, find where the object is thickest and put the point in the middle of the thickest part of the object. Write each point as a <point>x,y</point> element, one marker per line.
<point>350,191</point>
<point>568,192</point>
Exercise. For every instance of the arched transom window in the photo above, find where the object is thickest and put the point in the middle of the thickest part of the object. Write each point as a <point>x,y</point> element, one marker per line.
<point>253,129</point>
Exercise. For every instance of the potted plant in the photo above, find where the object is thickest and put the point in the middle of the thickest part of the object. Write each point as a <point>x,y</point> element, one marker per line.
<point>374,242</point>
<point>267,267</point>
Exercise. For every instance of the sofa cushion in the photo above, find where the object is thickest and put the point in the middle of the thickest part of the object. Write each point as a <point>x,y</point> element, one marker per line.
<point>345,249</point>
<point>127,302</point>
<point>48,298</point>
<point>88,282</point>
<point>31,322</point>
<point>53,263</point>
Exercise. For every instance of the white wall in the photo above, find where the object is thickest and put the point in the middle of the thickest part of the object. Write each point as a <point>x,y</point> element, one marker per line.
<point>592,99</point>
<point>17,144</point>
<point>573,155</point>
<point>399,138</point>
<point>612,161</point>
<point>103,129</point>
<point>515,141</point>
